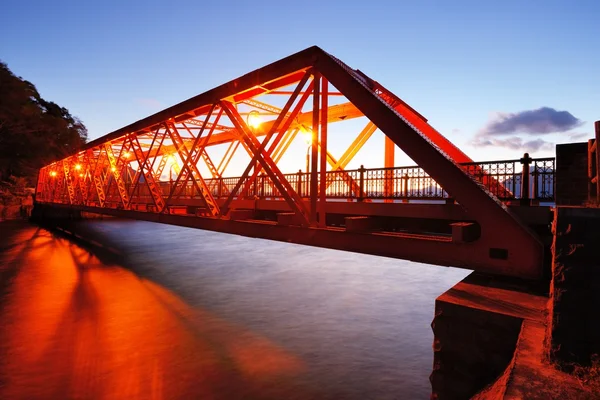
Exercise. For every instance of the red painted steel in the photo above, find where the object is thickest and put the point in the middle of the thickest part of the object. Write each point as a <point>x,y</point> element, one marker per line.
<point>131,170</point>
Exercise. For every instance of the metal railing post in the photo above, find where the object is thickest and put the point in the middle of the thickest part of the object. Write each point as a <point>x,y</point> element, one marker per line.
<point>361,180</point>
<point>526,162</point>
<point>299,183</point>
<point>535,176</point>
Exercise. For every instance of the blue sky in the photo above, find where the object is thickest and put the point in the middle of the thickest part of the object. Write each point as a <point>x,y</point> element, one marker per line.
<point>459,63</point>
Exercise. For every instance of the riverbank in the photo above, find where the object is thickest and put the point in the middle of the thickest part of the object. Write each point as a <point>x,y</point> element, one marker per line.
<point>16,201</point>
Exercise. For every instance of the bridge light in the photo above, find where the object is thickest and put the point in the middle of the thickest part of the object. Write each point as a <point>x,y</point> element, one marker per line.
<point>77,167</point>
<point>113,169</point>
<point>171,159</point>
<point>307,134</point>
<point>126,154</point>
<point>81,175</point>
<point>254,120</point>
<point>53,173</point>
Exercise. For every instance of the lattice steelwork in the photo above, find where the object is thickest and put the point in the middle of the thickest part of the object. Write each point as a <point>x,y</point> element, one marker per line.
<point>177,161</point>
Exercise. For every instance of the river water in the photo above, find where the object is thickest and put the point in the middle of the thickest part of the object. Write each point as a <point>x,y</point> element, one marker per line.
<point>162,312</point>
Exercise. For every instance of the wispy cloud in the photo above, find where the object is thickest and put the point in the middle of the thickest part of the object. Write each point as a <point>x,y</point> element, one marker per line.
<point>510,130</point>
<point>513,143</point>
<point>544,120</point>
<point>579,136</point>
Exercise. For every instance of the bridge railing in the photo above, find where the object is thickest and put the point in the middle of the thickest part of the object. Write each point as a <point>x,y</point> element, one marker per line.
<point>412,183</point>
<point>398,183</point>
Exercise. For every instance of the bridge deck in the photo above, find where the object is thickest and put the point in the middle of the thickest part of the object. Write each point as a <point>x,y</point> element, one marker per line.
<point>164,168</point>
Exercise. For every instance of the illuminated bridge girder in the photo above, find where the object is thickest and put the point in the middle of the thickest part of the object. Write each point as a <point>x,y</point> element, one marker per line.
<point>129,172</point>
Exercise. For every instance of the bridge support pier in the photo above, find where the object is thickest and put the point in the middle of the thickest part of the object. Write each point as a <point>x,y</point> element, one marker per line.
<point>494,336</point>
<point>477,326</point>
<point>573,332</point>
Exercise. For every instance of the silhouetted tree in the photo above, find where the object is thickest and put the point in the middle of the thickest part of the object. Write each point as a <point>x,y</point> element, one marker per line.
<point>33,131</point>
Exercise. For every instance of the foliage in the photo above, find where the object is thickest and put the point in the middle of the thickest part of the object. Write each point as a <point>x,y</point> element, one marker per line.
<point>589,376</point>
<point>33,131</point>
<point>13,190</point>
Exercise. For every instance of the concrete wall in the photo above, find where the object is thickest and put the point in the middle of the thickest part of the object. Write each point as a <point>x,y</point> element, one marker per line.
<point>574,326</point>
<point>571,174</point>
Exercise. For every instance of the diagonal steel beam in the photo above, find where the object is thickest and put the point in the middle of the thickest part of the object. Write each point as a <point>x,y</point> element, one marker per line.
<point>116,173</point>
<point>520,251</point>
<point>197,180</point>
<point>146,171</point>
<point>146,157</point>
<point>98,176</point>
<point>272,145</point>
<point>190,161</point>
<point>255,154</point>
<point>286,190</point>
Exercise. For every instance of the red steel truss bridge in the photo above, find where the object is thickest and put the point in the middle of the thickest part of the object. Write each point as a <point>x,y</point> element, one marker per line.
<point>171,167</point>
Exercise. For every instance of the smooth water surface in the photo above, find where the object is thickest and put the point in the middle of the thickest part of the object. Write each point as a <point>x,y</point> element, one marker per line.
<point>176,313</point>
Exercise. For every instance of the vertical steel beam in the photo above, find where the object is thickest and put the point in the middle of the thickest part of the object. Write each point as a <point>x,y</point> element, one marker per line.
<point>314,184</point>
<point>323,147</point>
<point>388,184</point>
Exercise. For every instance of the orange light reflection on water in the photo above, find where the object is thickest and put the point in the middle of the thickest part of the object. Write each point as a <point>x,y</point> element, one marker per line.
<point>74,327</point>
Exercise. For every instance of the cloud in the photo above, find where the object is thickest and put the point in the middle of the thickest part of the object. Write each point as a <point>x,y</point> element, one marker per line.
<point>541,121</point>
<point>513,143</point>
<point>578,136</point>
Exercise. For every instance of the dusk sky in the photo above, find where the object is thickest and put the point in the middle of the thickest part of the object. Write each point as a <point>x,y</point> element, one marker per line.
<point>497,78</point>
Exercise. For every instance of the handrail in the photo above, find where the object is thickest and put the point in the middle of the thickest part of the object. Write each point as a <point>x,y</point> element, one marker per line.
<point>408,183</point>
<point>413,183</point>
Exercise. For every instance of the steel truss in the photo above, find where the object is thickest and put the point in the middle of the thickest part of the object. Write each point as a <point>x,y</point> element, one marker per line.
<point>125,170</point>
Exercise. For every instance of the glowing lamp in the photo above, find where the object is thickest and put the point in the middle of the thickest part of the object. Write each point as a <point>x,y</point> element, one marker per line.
<point>113,169</point>
<point>126,154</point>
<point>254,120</point>
<point>53,173</point>
<point>307,134</point>
<point>77,167</point>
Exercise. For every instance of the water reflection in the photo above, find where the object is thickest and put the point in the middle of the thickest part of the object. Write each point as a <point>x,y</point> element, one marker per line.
<point>179,313</point>
<point>74,326</point>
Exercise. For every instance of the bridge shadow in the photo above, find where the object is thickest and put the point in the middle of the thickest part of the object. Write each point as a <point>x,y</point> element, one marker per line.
<point>78,323</point>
